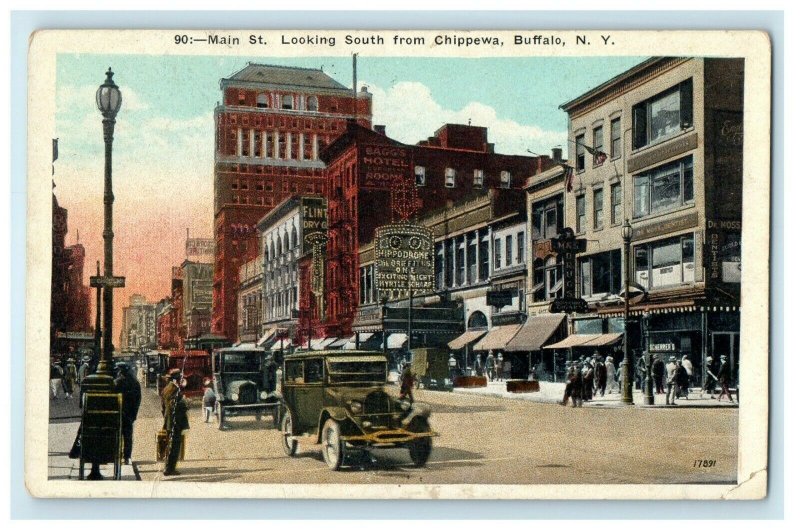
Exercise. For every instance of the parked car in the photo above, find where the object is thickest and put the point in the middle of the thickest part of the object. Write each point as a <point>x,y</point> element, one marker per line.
<point>196,368</point>
<point>155,365</point>
<point>430,368</point>
<point>245,384</point>
<point>341,398</point>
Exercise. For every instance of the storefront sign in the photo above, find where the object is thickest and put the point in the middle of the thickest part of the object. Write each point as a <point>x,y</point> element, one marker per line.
<point>197,246</point>
<point>381,166</point>
<point>567,245</point>
<point>664,227</point>
<point>569,305</point>
<point>723,251</point>
<point>655,155</point>
<point>662,347</point>
<point>403,259</point>
<point>314,222</point>
<point>500,298</point>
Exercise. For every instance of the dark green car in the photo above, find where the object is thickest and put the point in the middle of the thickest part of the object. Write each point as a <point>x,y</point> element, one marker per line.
<point>340,398</point>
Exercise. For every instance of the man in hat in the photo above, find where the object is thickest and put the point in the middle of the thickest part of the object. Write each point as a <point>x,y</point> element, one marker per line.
<point>711,377</point>
<point>687,365</point>
<point>600,375</point>
<point>407,383</point>
<point>724,378</point>
<point>611,374</point>
<point>209,400</point>
<point>672,383</point>
<point>658,374</point>
<point>491,366</point>
<point>176,419</point>
<point>127,385</point>
<point>70,378</point>
<point>574,388</point>
<point>56,373</point>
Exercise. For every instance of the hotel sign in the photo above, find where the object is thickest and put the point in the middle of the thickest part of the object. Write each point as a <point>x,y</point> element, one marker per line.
<point>381,166</point>
<point>667,226</point>
<point>403,259</point>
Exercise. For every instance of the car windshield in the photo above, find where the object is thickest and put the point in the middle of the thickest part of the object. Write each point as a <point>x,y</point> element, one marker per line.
<point>242,362</point>
<point>356,372</point>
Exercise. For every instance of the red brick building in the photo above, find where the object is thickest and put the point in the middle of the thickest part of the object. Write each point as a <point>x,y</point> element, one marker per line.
<point>272,125</point>
<point>170,324</point>
<point>372,180</point>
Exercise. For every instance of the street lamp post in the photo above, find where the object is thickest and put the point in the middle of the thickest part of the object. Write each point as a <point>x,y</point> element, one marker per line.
<point>649,399</point>
<point>627,365</point>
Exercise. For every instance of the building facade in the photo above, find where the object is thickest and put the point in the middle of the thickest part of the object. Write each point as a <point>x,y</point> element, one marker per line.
<point>271,127</point>
<point>250,292</point>
<point>197,288</point>
<point>138,324</point>
<point>669,137</point>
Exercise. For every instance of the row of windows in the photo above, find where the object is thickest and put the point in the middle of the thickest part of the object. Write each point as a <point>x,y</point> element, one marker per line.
<point>278,244</point>
<point>283,101</point>
<point>654,120</point>
<point>451,177</point>
<point>277,145</point>
<point>598,210</point>
<point>281,304</point>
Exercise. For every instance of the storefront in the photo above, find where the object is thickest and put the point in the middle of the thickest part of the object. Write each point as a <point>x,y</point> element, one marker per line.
<point>527,345</point>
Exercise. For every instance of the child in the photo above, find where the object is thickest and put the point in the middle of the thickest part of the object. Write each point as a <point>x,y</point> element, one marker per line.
<point>209,400</point>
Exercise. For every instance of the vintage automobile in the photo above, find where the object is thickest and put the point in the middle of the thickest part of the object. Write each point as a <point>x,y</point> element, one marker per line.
<point>430,368</point>
<point>196,368</point>
<point>245,384</point>
<point>155,364</point>
<point>341,398</point>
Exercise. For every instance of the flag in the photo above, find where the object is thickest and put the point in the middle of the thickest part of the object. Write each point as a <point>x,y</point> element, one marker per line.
<point>599,156</point>
<point>569,173</point>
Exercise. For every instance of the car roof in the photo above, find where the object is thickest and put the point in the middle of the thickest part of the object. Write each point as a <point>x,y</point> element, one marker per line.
<point>334,353</point>
<point>241,349</point>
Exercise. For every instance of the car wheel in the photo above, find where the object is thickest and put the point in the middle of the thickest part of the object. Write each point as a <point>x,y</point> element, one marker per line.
<point>332,445</point>
<point>289,443</point>
<point>420,449</point>
<point>220,417</point>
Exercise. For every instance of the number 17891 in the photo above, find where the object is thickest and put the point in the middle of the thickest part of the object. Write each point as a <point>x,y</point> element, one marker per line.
<point>705,463</point>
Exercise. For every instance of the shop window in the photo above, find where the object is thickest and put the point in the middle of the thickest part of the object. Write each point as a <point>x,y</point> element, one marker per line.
<point>664,188</point>
<point>580,153</point>
<point>616,138</point>
<point>450,178</point>
<point>598,208</point>
<point>616,204</point>
<point>665,263</point>
<point>580,214</point>
<point>601,273</point>
<point>419,175</point>
<point>663,116</point>
<point>439,265</point>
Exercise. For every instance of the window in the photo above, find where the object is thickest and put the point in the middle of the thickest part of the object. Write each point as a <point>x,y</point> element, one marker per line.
<point>419,175</point>
<point>287,102</point>
<point>663,188</point>
<point>477,178</point>
<point>509,249</point>
<point>313,370</point>
<point>597,138</point>
<point>616,138</point>
<point>580,214</point>
<point>497,252</point>
<point>548,279</point>
<point>460,264</point>
<point>257,144</point>
<point>663,115</point>
<point>580,153</point>
<point>439,265</point>
<point>484,257</point>
<point>505,179</point>
<point>313,103</point>
<point>520,247</point>
<point>601,273</point>
<point>472,259</point>
<point>665,263</point>
<point>548,218</point>
<point>598,209</point>
<point>450,177</point>
<point>616,204</point>
<point>261,102</point>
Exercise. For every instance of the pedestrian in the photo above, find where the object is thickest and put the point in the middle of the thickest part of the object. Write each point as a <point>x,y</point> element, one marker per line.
<point>641,371</point>
<point>209,400</point>
<point>83,371</point>
<point>127,385</point>
<point>407,383</point>
<point>176,420</point>
<point>452,365</point>
<point>173,379</point>
<point>56,373</point>
<point>600,375</point>
<point>658,374</point>
<point>588,380</point>
<point>711,378</point>
<point>671,382</point>
<point>687,365</point>
<point>724,378</point>
<point>491,366</point>
<point>611,375</point>
<point>574,387</point>
<point>478,366</point>
<point>70,378</point>
<point>500,367</point>
<point>681,380</point>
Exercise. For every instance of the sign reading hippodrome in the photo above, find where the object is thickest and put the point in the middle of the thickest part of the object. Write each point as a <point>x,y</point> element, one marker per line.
<point>403,259</point>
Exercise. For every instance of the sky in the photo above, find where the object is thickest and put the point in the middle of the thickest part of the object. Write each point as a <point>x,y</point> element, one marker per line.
<point>163,163</point>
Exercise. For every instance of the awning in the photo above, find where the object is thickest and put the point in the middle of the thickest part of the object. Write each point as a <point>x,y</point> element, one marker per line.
<point>321,344</point>
<point>277,345</point>
<point>396,341</point>
<point>586,340</point>
<point>535,332</point>
<point>268,334</point>
<point>339,343</point>
<point>465,338</point>
<point>362,338</point>
<point>497,338</point>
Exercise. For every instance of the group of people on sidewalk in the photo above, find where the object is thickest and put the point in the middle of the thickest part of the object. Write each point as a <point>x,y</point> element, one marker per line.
<point>589,377</point>
<point>67,376</point>
<point>492,367</point>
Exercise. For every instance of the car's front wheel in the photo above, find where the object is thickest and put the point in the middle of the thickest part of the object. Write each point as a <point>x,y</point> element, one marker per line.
<point>332,445</point>
<point>420,449</point>
<point>288,441</point>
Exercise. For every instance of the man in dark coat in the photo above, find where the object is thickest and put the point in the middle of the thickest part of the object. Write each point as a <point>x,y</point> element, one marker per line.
<point>176,420</point>
<point>131,391</point>
<point>574,388</point>
<point>658,374</point>
<point>407,383</point>
<point>600,375</point>
<point>588,380</point>
<point>681,380</point>
<point>711,377</point>
<point>724,378</point>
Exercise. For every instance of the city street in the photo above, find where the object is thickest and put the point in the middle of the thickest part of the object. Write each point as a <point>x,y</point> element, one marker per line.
<point>483,439</point>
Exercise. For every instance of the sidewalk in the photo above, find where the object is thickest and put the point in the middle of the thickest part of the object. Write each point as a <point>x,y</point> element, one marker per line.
<point>552,393</point>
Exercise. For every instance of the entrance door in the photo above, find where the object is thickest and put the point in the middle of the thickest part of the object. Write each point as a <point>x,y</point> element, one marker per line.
<point>727,343</point>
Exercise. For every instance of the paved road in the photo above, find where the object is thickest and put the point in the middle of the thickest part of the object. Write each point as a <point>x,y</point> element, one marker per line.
<point>483,439</point>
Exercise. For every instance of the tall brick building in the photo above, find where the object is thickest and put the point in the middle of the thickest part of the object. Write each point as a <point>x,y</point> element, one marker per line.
<point>272,125</point>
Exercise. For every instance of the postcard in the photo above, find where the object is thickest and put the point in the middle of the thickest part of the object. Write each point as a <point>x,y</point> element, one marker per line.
<point>398,264</point>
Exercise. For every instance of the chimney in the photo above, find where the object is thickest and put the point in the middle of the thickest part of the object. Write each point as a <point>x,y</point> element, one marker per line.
<point>557,155</point>
<point>380,129</point>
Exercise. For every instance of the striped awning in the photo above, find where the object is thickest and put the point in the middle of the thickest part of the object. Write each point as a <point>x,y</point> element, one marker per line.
<point>268,334</point>
<point>321,344</point>
<point>396,341</point>
<point>339,343</point>
<point>535,332</point>
<point>497,338</point>
<point>586,340</point>
<point>465,338</point>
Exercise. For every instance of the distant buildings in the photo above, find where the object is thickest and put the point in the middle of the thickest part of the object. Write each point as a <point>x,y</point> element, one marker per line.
<point>138,324</point>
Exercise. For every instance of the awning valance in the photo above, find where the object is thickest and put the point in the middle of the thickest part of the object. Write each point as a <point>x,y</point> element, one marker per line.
<point>535,332</point>
<point>497,337</point>
<point>339,343</point>
<point>604,339</point>
<point>586,340</point>
<point>396,341</point>
<point>268,334</point>
<point>321,344</point>
<point>465,338</point>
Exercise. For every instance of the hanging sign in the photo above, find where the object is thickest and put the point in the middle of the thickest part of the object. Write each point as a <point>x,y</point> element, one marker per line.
<point>404,259</point>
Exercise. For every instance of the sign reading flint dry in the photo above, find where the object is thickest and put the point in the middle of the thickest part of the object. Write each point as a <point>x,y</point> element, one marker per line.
<point>403,259</point>
<point>314,224</point>
<point>381,166</point>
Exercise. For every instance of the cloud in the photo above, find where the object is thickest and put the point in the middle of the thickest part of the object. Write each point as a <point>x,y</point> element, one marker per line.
<point>410,113</point>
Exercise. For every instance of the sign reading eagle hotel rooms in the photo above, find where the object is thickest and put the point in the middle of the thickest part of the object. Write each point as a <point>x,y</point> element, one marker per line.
<point>381,166</point>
